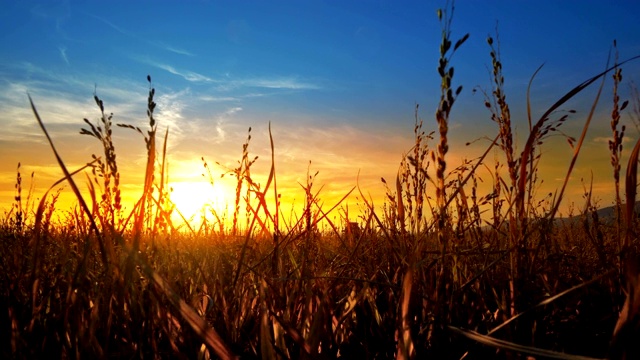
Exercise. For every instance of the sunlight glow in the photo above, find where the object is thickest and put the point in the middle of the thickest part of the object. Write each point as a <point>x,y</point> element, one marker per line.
<point>192,198</point>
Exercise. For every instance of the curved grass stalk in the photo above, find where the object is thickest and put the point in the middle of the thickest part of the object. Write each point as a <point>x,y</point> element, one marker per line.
<point>106,248</point>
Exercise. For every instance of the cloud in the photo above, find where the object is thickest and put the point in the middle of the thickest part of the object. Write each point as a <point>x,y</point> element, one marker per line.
<point>187,75</point>
<point>233,111</point>
<point>170,108</point>
<point>175,49</point>
<point>16,116</point>
<point>279,83</point>
<point>221,120</point>
<point>191,76</point>
<point>63,54</point>
<point>601,139</point>
<point>453,125</point>
<point>63,100</point>
<point>158,44</point>
<point>209,98</point>
<point>228,83</point>
<point>220,129</point>
<point>606,139</point>
<point>114,26</point>
<point>270,83</point>
<point>254,95</point>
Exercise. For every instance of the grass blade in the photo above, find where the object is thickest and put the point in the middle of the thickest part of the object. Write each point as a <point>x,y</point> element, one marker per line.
<point>105,249</point>
<point>631,181</point>
<point>509,346</point>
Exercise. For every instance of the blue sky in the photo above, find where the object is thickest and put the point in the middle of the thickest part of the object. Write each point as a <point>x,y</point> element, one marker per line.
<point>338,80</point>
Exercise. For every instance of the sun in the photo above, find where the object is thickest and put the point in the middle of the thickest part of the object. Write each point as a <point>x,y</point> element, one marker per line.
<point>192,197</point>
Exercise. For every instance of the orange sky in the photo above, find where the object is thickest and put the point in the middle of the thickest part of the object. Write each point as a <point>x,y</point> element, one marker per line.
<point>338,153</point>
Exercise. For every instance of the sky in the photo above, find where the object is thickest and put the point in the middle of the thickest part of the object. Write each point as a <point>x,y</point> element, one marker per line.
<point>338,81</point>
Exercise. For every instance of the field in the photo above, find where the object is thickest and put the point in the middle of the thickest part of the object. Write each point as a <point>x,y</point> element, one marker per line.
<point>439,271</point>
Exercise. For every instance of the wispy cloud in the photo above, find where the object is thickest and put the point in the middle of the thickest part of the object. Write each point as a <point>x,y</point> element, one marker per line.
<point>63,100</point>
<point>16,117</point>
<point>209,98</point>
<point>221,120</point>
<point>187,75</point>
<point>176,50</point>
<point>133,35</point>
<point>273,83</point>
<point>114,26</point>
<point>63,54</point>
<point>606,139</point>
<point>279,83</point>
<point>170,110</point>
<point>228,83</point>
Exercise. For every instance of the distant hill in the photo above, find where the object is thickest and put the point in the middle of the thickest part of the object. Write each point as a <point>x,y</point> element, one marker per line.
<point>605,214</point>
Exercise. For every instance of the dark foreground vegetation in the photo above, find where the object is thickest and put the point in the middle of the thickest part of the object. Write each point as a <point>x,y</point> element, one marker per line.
<point>440,271</point>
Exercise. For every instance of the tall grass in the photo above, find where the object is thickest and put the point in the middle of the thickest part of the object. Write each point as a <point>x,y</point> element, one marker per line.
<point>439,270</point>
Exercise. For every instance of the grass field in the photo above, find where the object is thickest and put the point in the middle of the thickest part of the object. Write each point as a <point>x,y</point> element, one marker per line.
<point>440,271</point>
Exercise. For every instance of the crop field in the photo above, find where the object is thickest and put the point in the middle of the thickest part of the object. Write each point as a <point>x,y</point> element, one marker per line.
<point>441,270</point>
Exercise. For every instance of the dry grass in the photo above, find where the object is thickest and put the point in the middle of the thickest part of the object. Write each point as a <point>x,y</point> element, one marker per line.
<point>440,270</point>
